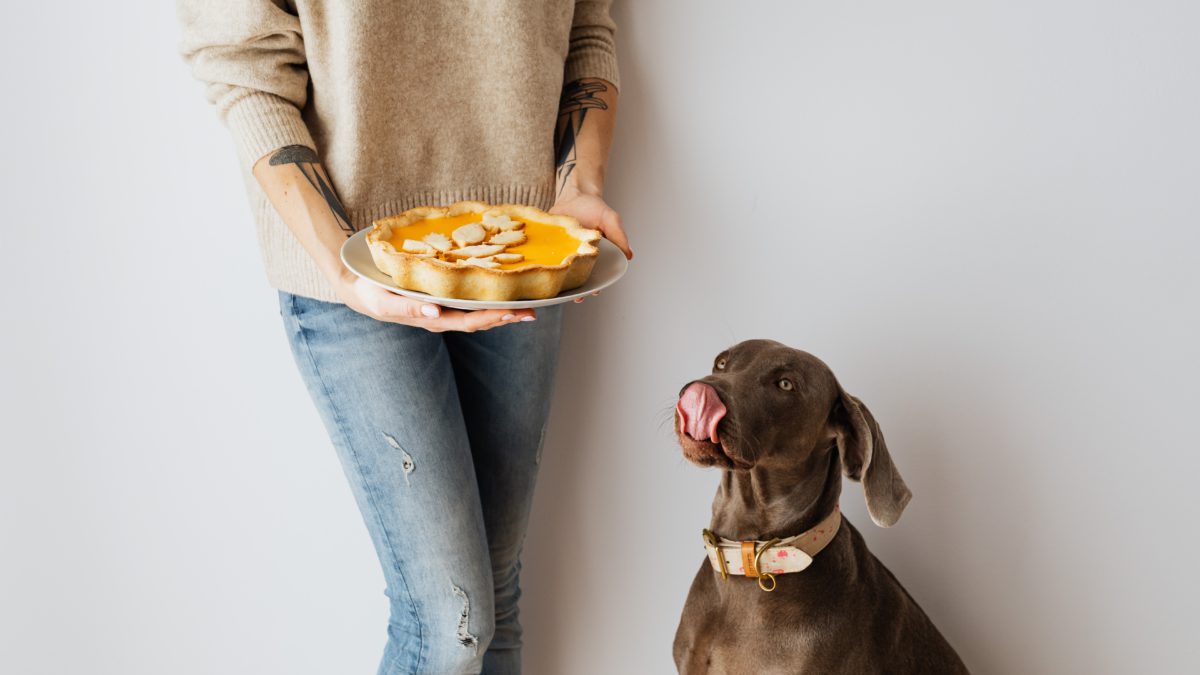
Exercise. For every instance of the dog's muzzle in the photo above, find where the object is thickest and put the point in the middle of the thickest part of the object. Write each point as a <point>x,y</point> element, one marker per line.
<point>701,410</point>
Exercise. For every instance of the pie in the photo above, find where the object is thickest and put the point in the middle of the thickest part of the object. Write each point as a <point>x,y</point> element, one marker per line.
<point>474,251</point>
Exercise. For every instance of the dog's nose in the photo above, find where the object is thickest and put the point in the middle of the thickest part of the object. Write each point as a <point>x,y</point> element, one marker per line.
<point>700,409</point>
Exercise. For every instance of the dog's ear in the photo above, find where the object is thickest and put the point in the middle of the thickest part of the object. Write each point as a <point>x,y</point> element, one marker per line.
<point>865,457</point>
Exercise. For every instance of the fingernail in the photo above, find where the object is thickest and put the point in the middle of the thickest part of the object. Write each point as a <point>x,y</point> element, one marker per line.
<point>430,311</point>
<point>529,318</point>
<point>507,317</point>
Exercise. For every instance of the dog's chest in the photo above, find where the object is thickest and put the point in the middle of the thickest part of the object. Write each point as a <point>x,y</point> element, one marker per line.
<point>734,630</point>
<point>728,653</point>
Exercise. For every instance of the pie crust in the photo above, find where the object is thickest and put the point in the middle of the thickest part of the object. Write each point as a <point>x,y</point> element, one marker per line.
<point>465,267</point>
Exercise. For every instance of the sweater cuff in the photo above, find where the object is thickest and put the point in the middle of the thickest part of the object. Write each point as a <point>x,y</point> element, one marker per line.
<point>263,122</point>
<point>592,63</point>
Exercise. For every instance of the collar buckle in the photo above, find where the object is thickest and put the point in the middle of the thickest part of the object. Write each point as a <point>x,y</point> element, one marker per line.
<point>711,540</point>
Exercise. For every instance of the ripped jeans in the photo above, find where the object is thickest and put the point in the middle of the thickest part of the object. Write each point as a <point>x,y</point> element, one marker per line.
<point>440,437</point>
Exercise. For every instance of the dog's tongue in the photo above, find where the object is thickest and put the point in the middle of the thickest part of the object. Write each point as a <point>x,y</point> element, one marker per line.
<point>700,410</point>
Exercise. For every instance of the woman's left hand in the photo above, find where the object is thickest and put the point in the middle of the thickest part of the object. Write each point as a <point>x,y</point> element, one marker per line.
<point>592,211</point>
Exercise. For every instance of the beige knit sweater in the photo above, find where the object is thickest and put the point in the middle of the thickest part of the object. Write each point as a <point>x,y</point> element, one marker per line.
<point>407,102</point>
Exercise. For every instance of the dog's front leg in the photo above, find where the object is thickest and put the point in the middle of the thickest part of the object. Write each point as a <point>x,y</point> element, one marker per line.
<point>698,627</point>
<point>692,658</point>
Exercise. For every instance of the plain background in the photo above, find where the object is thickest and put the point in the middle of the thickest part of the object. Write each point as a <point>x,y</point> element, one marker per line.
<point>982,215</point>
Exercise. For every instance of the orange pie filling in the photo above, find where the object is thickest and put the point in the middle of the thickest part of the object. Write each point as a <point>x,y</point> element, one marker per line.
<point>543,244</point>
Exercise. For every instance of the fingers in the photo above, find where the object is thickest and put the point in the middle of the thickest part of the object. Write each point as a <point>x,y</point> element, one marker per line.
<point>469,322</point>
<point>396,308</point>
<point>610,223</point>
<point>387,306</point>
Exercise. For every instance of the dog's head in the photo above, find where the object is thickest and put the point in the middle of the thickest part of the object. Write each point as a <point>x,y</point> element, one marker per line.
<point>767,406</point>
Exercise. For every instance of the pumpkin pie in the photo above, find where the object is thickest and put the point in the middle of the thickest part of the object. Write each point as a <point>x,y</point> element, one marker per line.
<point>476,251</point>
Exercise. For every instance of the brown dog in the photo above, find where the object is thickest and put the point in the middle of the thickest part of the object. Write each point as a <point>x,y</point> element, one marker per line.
<point>779,425</point>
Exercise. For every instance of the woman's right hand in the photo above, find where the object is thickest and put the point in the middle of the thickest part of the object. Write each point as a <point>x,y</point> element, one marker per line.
<point>377,303</point>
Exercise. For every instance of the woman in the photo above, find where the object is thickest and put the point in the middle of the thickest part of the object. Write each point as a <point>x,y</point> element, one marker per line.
<point>438,415</point>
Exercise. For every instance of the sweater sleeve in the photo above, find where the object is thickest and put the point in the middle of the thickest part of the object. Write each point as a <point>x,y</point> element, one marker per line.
<point>250,56</point>
<point>593,50</point>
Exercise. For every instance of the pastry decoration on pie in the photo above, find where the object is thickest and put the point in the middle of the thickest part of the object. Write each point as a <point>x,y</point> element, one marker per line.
<point>474,251</point>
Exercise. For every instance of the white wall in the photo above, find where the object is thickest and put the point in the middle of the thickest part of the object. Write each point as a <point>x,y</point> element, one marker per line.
<point>983,216</point>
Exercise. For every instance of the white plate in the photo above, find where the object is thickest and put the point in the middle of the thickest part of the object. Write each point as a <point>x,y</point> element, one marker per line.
<point>610,266</point>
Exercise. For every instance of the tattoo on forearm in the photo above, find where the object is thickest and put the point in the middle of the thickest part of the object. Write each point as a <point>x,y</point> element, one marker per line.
<point>306,160</point>
<point>577,98</point>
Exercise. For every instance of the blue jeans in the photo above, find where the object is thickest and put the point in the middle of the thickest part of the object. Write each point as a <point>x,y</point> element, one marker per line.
<point>440,437</point>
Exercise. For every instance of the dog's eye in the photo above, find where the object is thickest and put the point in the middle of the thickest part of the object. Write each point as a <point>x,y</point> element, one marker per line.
<point>786,384</point>
<point>720,364</point>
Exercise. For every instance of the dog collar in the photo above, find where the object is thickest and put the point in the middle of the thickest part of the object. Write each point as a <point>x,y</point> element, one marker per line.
<point>762,560</point>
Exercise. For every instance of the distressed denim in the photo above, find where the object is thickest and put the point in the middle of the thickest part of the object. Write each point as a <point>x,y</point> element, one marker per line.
<point>440,437</point>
